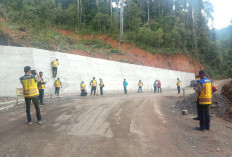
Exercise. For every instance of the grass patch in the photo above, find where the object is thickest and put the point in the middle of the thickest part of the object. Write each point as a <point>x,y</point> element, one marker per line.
<point>125,61</point>
<point>96,44</point>
<point>114,51</point>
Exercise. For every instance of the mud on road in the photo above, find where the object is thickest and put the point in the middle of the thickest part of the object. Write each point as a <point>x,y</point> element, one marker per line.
<point>132,125</point>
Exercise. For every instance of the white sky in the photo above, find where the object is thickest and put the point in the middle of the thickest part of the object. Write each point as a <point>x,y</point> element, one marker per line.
<point>222,13</point>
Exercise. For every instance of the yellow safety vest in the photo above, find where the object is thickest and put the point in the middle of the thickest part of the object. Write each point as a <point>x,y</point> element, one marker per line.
<point>30,88</point>
<point>57,83</point>
<point>41,86</point>
<point>101,84</point>
<point>205,97</point>
<point>178,83</point>
<point>55,63</point>
<point>83,86</point>
<point>140,84</point>
<point>94,83</point>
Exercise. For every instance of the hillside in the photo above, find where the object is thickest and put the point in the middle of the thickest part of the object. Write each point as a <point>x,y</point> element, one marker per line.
<point>102,46</point>
<point>160,33</point>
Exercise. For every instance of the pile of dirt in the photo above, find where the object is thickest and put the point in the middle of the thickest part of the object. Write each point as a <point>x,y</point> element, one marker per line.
<point>227,91</point>
<point>218,107</point>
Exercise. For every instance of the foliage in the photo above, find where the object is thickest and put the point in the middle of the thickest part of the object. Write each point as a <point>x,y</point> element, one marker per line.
<point>168,26</point>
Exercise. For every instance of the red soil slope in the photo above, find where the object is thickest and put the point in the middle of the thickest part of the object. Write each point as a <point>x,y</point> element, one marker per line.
<point>139,56</point>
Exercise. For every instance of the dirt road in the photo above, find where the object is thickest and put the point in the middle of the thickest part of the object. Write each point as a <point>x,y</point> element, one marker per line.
<point>133,125</point>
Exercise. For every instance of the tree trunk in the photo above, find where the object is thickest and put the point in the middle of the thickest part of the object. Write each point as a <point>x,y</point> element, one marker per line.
<point>121,20</point>
<point>148,12</point>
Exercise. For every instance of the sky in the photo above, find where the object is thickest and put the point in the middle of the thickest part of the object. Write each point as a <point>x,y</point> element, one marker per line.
<point>222,13</point>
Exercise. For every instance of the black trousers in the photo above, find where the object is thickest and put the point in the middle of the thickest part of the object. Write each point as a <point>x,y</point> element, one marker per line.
<point>41,95</point>
<point>54,71</point>
<point>198,109</point>
<point>154,89</point>
<point>140,90</point>
<point>204,117</point>
<point>159,90</point>
<point>125,90</point>
<point>93,89</point>
<point>57,90</point>
<point>35,101</point>
<point>83,92</point>
<point>178,89</point>
<point>101,90</point>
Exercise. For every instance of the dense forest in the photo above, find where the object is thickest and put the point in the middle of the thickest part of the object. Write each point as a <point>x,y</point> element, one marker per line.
<point>164,26</point>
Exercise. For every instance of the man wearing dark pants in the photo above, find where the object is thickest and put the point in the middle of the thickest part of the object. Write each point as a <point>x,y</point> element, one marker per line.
<point>155,86</point>
<point>55,65</point>
<point>93,85</point>
<point>57,85</point>
<point>140,84</point>
<point>101,86</point>
<point>31,93</point>
<point>125,84</point>
<point>204,89</point>
<point>178,85</point>
<point>41,87</point>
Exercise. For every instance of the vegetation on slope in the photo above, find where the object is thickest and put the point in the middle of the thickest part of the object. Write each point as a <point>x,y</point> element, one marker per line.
<point>166,26</point>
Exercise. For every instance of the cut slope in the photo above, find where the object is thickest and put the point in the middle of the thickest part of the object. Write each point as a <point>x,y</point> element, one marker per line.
<point>139,56</point>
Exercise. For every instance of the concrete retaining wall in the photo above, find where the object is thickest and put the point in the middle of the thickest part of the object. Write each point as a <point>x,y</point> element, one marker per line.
<point>74,68</point>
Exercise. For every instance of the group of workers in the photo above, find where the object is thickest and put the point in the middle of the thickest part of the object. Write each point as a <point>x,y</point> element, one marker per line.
<point>33,89</point>
<point>93,84</point>
<point>34,85</point>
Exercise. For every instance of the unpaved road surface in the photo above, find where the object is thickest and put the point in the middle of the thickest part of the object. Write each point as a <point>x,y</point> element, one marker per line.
<point>133,125</point>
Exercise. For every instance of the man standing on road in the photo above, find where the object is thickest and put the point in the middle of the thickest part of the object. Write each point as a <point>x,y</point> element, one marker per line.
<point>204,90</point>
<point>125,84</point>
<point>31,93</point>
<point>155,86</point>
<point>41,87</point>
<point>159,86</point>
<point>178,85</point>
<point>101,86</point>
<point>57,85</point>
<point>93,85</point>
<point>55,65</point>
<point>140,84</point>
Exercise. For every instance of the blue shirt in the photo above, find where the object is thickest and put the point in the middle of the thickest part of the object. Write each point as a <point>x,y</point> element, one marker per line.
<point>125,83</point>
<point>155,84</point>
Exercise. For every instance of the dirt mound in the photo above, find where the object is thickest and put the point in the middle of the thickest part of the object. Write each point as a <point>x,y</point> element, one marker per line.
<point>218,107</point>
<point>227,91</point>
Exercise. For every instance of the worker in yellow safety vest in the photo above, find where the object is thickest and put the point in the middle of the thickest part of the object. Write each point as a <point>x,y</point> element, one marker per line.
<point>140,84</point>
<point>101,86</point>
<point>204,98</point>
<point>55,65</point>
<point>93,85</point>
<point>178,84</point>
<point>83,89</point>
<point>57,85</point>
<point>41,87</point>
<point>31,93</point>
